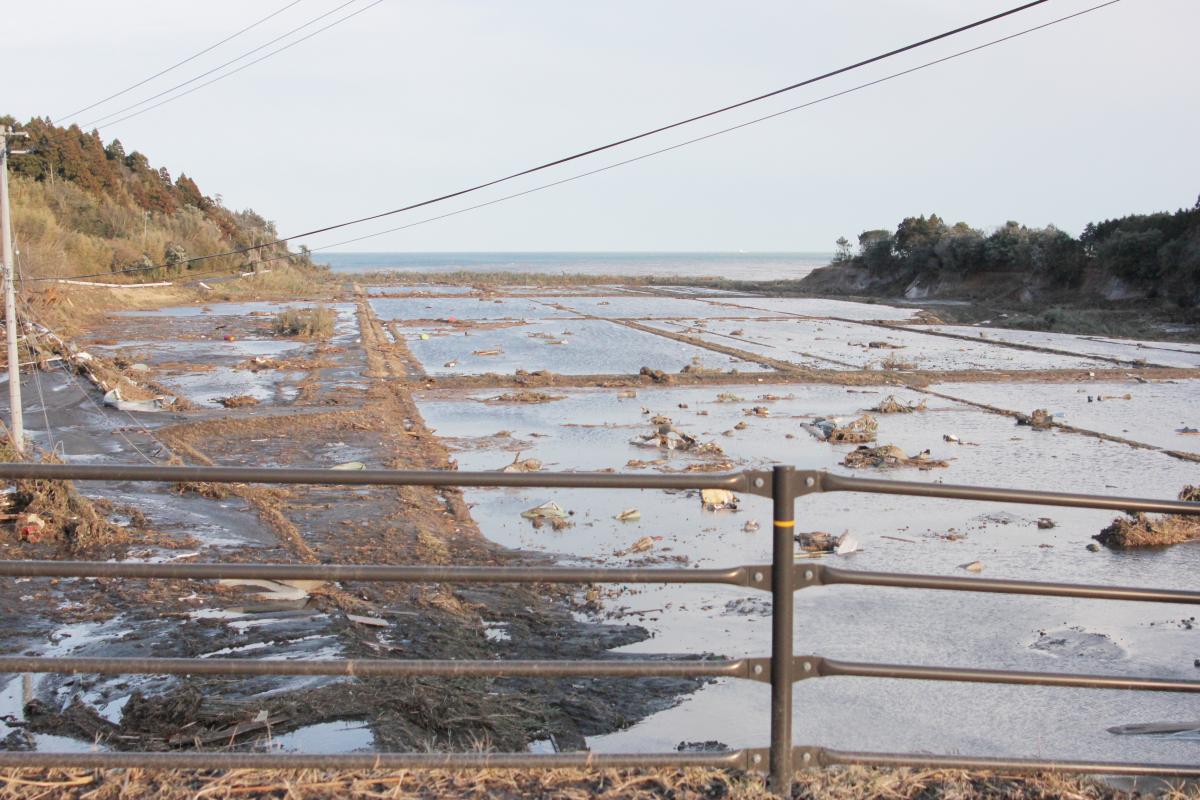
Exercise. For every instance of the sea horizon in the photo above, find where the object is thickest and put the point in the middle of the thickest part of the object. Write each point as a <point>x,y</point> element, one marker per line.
<point>640,263</point>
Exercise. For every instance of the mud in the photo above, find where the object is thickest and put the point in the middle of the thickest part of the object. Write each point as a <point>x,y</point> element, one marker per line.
<point>350,398</point>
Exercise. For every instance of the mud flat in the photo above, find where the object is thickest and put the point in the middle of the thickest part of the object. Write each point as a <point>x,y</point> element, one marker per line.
<point>433,377</point>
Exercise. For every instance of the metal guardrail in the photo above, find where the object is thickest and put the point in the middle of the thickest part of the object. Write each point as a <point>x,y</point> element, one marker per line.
<point>782,577</point>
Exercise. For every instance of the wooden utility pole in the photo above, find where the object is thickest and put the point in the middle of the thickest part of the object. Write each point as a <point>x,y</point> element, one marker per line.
<point>17,428</point>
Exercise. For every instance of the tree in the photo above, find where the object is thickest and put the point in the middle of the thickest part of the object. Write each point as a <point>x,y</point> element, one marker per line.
<point>843,249</point>
<point>174,256</point>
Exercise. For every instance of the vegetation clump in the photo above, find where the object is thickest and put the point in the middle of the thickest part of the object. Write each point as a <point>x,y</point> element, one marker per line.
<point>1141,530</point>
<point>1156,255</point>
<point>305,323</point>
<point>890,405</point>
<point>889,456</point>
<point>55,512</point>
<point>856,431</point>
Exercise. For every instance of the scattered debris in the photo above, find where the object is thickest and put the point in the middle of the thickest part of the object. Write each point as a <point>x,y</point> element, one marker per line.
<point>30,528</point>
<point>856,431</point>
<point>717,499</point>
<point>276,590</point>
<point>889,456</point>
<point>522,464</point>
<point>350,466</point>
<point>895,363</point>
<point>879,345</point>
<point>1185,430</point>
<point>972,566</point>
<point>629,515</point>
<point>113,398</point>
<point>890,405</point>
<point>898,539</point>
<point>656,375</point>
<point>741,426</point>
<point>757,411</point>
<point>751,526</point>
<point>524,396</point>
<point>728,397</point>
<point>372,622</point>
<point>1045,523</point>
<point>551,511</point>
<point>626,394</point>
<point>1039,420</point>
<point>238,401</point>
<point>747,606</point>
<point>1142,530</point>
<point>494,351</point>
<point>1093,547</point>
<point>822,543</point>
<point>640,546</point>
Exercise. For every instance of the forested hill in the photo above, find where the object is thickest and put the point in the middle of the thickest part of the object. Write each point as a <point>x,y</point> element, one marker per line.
<point>81,206</point>
<point>1155,256</point>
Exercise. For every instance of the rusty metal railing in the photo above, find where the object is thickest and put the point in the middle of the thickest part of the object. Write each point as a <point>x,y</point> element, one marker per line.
<point>782,577</point>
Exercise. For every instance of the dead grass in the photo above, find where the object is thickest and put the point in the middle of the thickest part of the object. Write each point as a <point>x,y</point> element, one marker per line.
<point>857,431</point>
<point>889,456</point>
<point>575,784</point>
<point>70,520</point>
<point>306,323</point>
<point>890,405</point>
<point>524,396</point>
<point>239,401</point>
<point>1142,530</point>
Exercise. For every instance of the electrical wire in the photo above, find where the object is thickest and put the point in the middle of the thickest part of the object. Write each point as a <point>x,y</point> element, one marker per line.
<point>37,372</point>
<point>593,150</point>
<point>711,135</point>
<point>102,120</point>
<point>176,65</point>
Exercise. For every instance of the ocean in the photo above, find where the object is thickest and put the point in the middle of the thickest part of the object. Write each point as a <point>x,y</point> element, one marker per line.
<point>740,266</point>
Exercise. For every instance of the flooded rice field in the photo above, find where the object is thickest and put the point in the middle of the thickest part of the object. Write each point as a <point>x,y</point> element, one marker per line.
<point>646,379</point>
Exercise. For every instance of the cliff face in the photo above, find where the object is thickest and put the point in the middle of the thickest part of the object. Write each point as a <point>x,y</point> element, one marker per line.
<point>81,206</point>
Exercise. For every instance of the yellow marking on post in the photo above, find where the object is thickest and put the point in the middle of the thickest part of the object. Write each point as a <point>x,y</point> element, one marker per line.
<point>785,524</point>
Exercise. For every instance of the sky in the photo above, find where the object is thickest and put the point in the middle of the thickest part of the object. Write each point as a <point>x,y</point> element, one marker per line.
<point>1093,118</point>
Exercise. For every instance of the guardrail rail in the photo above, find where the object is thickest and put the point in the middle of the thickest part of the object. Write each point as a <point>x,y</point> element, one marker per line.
<point>781,669</point>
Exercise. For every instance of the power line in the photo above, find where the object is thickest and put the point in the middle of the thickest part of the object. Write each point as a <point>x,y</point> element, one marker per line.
<point>102,120</point>
<point>33,356</point>
<point>677,146</point>
<point>593,150</point>
<point>714,134</point>
<point>178,64</point>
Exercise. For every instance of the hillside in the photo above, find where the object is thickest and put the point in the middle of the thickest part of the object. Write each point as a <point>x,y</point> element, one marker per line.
<point>81,206</point>
<point>1153,258</point>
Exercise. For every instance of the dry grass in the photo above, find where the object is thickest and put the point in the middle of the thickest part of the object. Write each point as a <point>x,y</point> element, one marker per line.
<point>306,323</point>
<point>839,784</point>
<point>238,401</point>
<point>889,456</point>
<point>1141,530</point>
<point>857,431</point>
<point>72,521</point>
<point>890,405</point>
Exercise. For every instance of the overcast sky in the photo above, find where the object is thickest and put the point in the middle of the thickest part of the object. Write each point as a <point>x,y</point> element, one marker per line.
<point>1095,117</point>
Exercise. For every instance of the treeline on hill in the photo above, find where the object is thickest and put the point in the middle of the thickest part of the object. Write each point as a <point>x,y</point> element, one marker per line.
<point>80,206</point>
<point>1156,255</point>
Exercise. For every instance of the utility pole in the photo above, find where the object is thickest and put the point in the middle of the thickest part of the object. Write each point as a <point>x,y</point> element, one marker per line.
<point>17,427</point>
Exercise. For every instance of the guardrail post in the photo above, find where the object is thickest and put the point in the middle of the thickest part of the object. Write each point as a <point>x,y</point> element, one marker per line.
<point>783,598</point>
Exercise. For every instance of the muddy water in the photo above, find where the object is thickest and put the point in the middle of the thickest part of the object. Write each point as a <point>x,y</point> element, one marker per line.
<point>599,429</point>
<point>567,347</point>
<point>594,429</point>
<point>836,343</point>
<point>1166,354</point>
